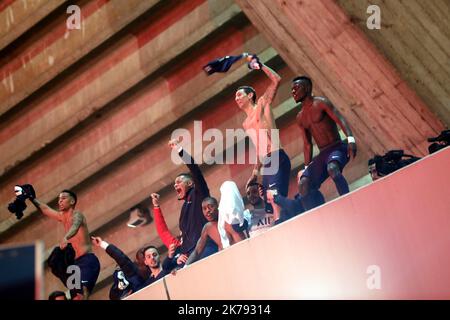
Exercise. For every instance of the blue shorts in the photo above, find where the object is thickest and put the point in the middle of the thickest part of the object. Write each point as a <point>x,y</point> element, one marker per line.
<point>317,170</point>
<point>276,179</point>
<point>90,269</point>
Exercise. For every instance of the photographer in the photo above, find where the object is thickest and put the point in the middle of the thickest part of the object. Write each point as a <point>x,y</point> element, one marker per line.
<point>439,142</point>
<point>380,166</point>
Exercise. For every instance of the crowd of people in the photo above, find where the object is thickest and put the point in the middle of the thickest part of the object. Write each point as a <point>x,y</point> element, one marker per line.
<point>208,225</point>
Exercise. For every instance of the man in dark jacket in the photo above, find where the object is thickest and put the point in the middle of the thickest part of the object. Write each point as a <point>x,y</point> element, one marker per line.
<point>128,278</point>
<point>192,189</point>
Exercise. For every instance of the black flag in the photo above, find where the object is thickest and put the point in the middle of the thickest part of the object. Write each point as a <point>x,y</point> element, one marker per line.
<point>222,64</point>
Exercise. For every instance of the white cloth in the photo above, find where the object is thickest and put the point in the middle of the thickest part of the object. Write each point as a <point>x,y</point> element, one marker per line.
<point>231,209</point>
<point>104,245</point>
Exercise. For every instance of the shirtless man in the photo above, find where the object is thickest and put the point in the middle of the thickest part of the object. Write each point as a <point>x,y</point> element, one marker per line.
<point>318,119</point>
<point>258,125</point>
<point>211,231</point>
<point>77,234</point>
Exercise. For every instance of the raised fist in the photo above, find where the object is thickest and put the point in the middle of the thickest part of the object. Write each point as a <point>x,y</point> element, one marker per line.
<point>155,199</point>
<point>96,241</point>
<point>253,62</point>
<point>174,143</point>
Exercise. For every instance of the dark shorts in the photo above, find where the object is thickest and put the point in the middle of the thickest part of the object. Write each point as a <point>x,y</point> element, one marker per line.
<point>90,269</point>
<point>317,170</point>
<point>277,179</point>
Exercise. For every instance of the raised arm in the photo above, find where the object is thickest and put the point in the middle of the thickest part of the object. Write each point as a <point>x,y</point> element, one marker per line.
<point>128,267</point>
<point>46,210</point>
<point>271,90</point>
<point>201,187</point>
<point>161,227</point>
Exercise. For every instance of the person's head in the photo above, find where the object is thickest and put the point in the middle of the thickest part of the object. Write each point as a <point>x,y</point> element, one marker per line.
<point>151,256</point>
<point>245,95</point>
<point>57,295</point>
<point>210,209</point>
<point>301,88</point>
<point>183,183</point>
<point>67,199</point>
<point>253,195</point>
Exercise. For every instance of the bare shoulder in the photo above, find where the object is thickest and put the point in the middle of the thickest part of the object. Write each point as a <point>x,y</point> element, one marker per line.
<point>322,102</point>
<point>207,226</point>
<point>79,215</point>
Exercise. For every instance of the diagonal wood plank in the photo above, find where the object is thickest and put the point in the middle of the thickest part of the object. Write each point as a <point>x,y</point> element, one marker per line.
<point>318,48</point>
<point>101,81</point>
<point>17,17</point>
<point>50,51</point>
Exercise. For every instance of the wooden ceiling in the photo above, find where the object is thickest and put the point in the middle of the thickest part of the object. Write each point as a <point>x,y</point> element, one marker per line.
<point>92,109</point>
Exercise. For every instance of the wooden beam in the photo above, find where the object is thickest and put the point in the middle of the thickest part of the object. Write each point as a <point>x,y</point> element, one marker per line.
<point>105,78</point>
<point>54,47</point>
<point>19,16</point>
<point>352,73</point>
<point>415,37</point>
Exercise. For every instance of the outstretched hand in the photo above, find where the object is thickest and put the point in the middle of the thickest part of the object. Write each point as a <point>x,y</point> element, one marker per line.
<point>270,195</point>
<point>253,62</point>
<point>174,143</point>
<point>182,259</point>
<point>96,241</point>
<point>155,199</point>
<point>172,248</point>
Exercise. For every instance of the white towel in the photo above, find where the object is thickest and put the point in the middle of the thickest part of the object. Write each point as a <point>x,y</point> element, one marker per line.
<point>231,209</point>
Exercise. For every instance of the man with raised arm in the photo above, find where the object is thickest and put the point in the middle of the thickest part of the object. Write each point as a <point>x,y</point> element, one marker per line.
<point>192,189</point>
<point>318,119</point>
<point>77,235</point>
<point>259,126</point>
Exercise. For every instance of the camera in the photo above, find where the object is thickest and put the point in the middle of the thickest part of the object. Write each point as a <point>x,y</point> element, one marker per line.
<point>18,206</point>
<point>439,142</point>
<point>380,166</point>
